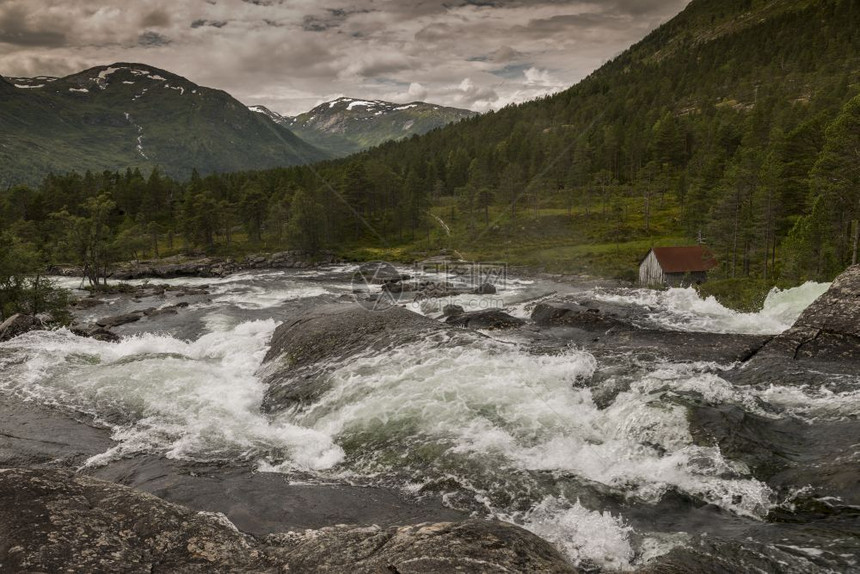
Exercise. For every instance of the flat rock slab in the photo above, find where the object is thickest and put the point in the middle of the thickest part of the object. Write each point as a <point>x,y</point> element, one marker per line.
<point>490,319</point>
<point>56,521</point>
<point>263,503</point>
<point>33,435</point>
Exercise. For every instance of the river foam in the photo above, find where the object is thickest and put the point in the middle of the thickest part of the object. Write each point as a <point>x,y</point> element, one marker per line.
<point>682,309</point>
<point>158,394</point>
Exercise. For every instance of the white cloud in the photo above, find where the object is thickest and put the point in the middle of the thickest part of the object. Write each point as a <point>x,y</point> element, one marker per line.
<point>288,55</point>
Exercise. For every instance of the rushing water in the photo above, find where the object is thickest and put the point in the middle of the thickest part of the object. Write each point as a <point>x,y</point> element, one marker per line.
<point>684,310</point>
<point>494,427</point>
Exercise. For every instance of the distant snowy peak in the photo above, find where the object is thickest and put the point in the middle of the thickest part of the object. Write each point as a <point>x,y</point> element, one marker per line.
<point>376,107</point>
<point>138,78</point>
<point>347,125</point>
<point>274,116</point>
<point>332,115</point>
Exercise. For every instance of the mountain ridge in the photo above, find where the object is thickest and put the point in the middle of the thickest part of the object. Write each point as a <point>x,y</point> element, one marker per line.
<point>134,115</point>
<point>344,126</point>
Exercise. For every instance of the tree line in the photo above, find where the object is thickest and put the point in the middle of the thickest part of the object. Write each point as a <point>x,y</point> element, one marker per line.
<point>752,138</point>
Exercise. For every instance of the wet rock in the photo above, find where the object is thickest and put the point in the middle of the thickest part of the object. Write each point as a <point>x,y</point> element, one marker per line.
<point>677,346</point>
<point>787,453</point>
<point>88,302</point>
<point>565,314</point>
<point>305,349</point>
<point>452,310</point>
<point>488,319</point>
<point>33,435</point>
<point>262,503</point>
<point>469,546</point>
<point>117,320</point>
<point>485,289</point>
<point>151,313</point>
<point>789,554</point>
<point>397,286</point>
<point>18,324</point>
<point>827,330</point>
<point>436,290</point>
<point>378,272</point>
<point>96,332</point>
<point>54,520</point>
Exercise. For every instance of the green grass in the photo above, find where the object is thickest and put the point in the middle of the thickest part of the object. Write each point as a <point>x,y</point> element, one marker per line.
<point>556,240</point>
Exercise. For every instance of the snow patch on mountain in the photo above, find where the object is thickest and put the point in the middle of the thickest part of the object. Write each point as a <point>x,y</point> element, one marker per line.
<point>361,103</point>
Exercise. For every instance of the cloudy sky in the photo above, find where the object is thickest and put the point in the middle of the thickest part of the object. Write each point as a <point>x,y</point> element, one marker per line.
<point>293,54</point>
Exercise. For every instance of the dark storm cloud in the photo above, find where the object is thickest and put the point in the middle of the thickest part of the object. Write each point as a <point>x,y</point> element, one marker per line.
<point>293,54</point>
<point>152,39</point>
<point>213,23</point>
<point>331,18</point>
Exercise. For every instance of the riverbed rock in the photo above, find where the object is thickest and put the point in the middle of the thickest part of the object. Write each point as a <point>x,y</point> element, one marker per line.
<point>58,521</point>
<point>488,319</point>
<point>93,331</point>
<point>378,273</point>
<point>441,548</point>
<point>34,435</point>
<point>452,310</point>
<point>787,453</point>
<point>304,350</point>
<point>829,329</point>
<point>88,302</point>
<point>18,324</point>
<point>117,320</point>
<point>569,314</point>
<point>485,289</point>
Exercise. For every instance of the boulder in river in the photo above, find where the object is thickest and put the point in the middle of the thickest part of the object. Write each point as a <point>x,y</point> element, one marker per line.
<point>17,324</point>
<point>58,521</point>
<point>488,319</point>
<point>304,349</point>
<point>468,546</point>
<point>827,330</point>
<point>117,320</point>
<point>565,314</point>
<point>94,332</point>
<point>451,310</point>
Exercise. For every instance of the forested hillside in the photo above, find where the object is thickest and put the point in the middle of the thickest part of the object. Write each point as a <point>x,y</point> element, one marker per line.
<point>737,124</point>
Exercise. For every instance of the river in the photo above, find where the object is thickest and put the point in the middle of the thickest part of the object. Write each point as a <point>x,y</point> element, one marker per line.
<point>501,427</point>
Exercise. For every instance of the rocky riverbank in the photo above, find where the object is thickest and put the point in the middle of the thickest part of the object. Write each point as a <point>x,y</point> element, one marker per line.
<point>178,266</point>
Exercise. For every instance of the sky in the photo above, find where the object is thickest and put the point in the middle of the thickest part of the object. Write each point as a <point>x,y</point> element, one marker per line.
<point>291,55</point>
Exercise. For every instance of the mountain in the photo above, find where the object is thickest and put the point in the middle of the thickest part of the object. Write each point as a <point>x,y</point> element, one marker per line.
<point>710,128</point>
<point>734,124</point>
<point>133,115</point>
<point>345,125</point>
